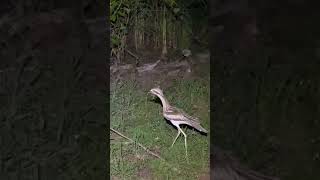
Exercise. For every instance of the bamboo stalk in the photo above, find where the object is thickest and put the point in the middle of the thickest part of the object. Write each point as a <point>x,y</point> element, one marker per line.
<point>164,34</point>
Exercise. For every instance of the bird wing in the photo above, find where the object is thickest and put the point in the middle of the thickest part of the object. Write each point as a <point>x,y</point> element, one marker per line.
<point>181,115</point>
<point>175,114</point>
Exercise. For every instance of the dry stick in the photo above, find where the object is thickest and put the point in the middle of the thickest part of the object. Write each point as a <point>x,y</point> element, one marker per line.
<point>135,56</point>
<point>146,149</point>
<point>132,54</point>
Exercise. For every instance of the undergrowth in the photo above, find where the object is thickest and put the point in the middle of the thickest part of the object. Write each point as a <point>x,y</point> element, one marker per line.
<point>135,114</point>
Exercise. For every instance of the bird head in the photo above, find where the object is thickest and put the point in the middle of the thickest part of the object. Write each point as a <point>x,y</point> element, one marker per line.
<point>156,91</point>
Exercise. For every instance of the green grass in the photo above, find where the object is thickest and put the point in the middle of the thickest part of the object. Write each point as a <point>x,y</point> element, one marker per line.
<point>134,114</point>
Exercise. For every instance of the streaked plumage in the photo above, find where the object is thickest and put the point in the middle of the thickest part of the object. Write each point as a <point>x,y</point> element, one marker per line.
<point>177,116</point>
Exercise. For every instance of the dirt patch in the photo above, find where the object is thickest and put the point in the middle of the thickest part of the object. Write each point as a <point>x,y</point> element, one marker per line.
<point>158,73</point>
<point>144,174</point>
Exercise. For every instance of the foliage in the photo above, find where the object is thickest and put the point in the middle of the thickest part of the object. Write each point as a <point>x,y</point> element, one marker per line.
<point>146,23</point>
<point>119,18</point>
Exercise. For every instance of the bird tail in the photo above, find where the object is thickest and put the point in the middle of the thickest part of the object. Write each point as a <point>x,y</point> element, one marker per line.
<point>199,128</point>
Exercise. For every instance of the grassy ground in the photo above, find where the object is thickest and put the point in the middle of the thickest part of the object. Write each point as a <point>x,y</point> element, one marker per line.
<point>134,114</point>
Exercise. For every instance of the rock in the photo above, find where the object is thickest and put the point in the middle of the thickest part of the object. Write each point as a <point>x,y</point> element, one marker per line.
<point>186,52</point>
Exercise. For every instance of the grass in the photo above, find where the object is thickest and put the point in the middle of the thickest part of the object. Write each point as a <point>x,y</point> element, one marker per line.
<point>134,114</point>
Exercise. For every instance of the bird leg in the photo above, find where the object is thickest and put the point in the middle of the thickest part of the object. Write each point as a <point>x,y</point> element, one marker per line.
<point>185,141</point>
<point>176,137</point>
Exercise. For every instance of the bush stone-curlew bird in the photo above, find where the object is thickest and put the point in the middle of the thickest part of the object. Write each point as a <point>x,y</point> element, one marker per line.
<point>177,117</point>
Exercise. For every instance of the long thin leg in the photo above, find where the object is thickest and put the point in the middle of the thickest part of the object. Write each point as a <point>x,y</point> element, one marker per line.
<point>176,137</point>
<point>185,141</point>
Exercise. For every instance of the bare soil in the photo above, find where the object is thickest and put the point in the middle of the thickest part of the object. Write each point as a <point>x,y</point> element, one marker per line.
<point>163,73</point>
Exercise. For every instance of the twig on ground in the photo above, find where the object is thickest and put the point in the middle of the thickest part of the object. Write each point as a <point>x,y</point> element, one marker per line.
<point>143,147</point>
<point>146,149</point>
<point>132,54</point>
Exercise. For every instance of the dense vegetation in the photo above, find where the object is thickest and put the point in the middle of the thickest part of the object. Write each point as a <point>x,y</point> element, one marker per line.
<point>156,24</point>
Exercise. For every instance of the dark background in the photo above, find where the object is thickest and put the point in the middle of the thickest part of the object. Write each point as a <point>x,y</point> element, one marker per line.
<point>54,89</point>
<point>265,84</point>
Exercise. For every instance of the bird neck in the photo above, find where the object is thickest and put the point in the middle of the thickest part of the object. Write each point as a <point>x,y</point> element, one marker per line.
<point>165,103</point>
